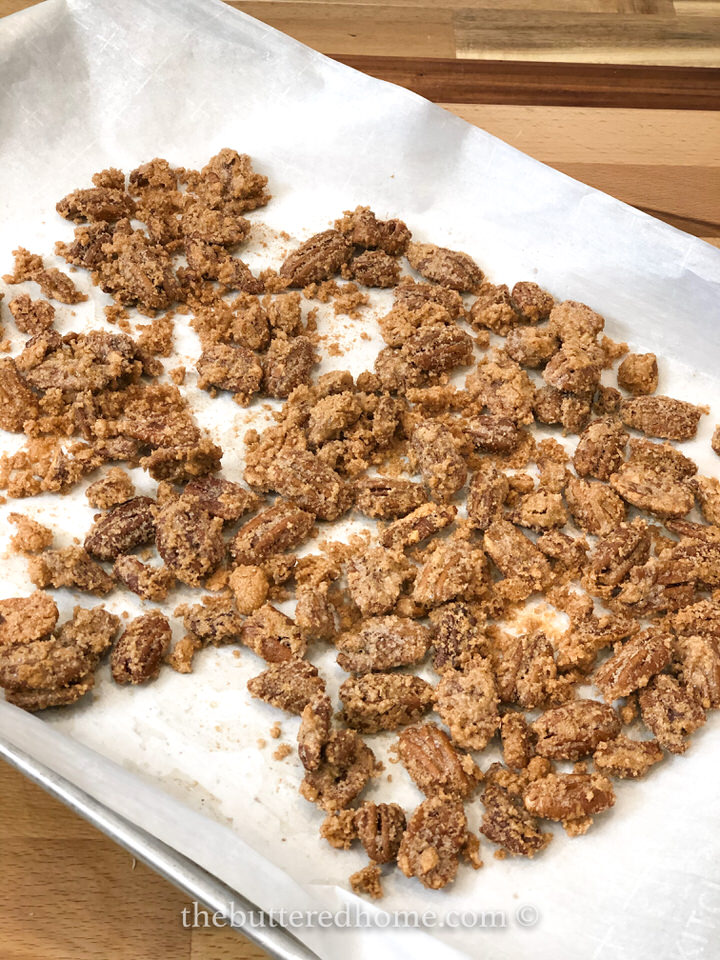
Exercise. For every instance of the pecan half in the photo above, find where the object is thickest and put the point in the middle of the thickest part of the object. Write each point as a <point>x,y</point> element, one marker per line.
<point>288,685</point>
<point>574,729</point>
<point>434,764</point>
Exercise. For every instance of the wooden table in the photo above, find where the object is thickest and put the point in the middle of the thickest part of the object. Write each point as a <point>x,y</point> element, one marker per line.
<point>633,109</point>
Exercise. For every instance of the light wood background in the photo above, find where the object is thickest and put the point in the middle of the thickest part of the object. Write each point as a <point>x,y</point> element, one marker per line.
<point>546,76</point>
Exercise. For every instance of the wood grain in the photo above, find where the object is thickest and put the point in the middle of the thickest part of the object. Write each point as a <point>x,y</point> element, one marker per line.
<point>453,80</point>
<point>588,37</point>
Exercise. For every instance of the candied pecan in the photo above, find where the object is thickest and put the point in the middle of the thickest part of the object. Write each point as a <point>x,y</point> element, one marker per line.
<point>43,664</point>
<point>221,498</point>
<point>134,269</point>
<point>626,758</point>
<point>314,612</point>
<point>303,478</point>
<point>503,387</point>
<point>27,618</point>
<point>532,301</point>
<point>375,578</point>
<point>700,619</point>
<point>514,555</point>
<point>467,704</point>
<point>707,490</point>
<point>384,701</point>
<point>338,829</point>
<point>362,228</point>
<point>314,730</point>
<point>527,672</point>
<point>31,316</point>
<point>288,685</point>
<point>432,843</point>
<point>670,710</point>
<point>189,540</point>
<point>17,402</point>
<point>442,468</point>
<point>215,620</point>
<point>507,823</point>
<point>232,368</point>
<point>633,665</point>
<point>647,489</point>
<point>178,464</point>
<point>569,553</point>
<point>715,442</point>
<point>573,370</point>
<point>150,583</point>
<point>138,654</point>
<point>638,374</point>
<point>374,268</point>
<point>449,268</point>
<point>272,531</point>
<point>272,635</point>
<point>458,637</point>
<point>574,729</point>
<point>662,417</point>
<point>228,182</point>
<point>414,295</point>
<point>121,529</point>
<point>575,321</point>
<point>615,555</point>
<point>438,348</point>
<point>697,661</point>
<point>54,284</point>
<point>569,796</point>
<point>423,522</point>
<point>454,569</point>
<point>594,507</point>
<point>659,585</point>
<point>250,587</point>
<point>487,492</point>
<point>347,765</point>
<point>518,740</point>
<point>539,510</point>
<point>316,259</point>
<point>331,415</point>
<point>531,346</point>
<point>601,449</point>
<point>381,643</point>
<point>33,700</point>
<point>110,490</point>
<point>367,881</point>
<point>379,828</point>
<point>492,434</point>
<point>434,764</point>
<point>287,364</point>
<point>96,203</point>
<point>494,309</point>
<point>69,567</point>
<point>386,498</point>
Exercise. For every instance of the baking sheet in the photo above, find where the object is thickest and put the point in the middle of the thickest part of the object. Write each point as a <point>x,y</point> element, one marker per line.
<point>91,84</point>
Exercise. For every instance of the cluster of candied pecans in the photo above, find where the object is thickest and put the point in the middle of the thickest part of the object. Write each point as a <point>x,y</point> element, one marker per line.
<point>444,578</point>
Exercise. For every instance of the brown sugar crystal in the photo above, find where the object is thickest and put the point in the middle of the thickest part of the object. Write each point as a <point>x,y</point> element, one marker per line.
<point>31,536</point>
<point>113,488</point>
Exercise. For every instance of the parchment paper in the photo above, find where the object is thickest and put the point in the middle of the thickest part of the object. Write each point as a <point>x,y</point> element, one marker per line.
<point>91,84</point>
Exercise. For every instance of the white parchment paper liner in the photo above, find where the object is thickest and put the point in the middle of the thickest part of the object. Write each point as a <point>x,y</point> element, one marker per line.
<point>91,83</point>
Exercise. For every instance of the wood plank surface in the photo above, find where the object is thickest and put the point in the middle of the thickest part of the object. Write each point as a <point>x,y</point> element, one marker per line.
<point>452,80</point>
<point>631,109</point>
